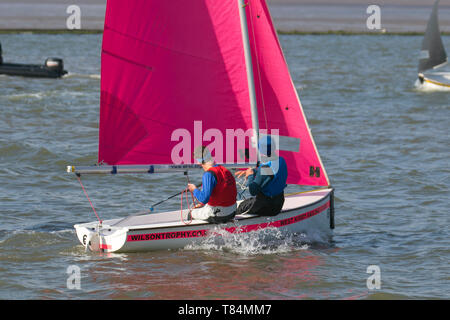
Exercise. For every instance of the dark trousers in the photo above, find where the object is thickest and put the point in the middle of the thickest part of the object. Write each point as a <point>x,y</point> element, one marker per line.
<point>262,205</point>
<point>220,219</point>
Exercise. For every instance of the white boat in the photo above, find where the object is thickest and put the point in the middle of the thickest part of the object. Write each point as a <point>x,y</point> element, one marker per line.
<point>436,81</point>
<point>302,213</point>
<point>432,57</point>
<point>174,67</point>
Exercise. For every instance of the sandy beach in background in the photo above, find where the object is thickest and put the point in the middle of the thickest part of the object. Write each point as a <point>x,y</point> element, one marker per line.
<point>288,15</point>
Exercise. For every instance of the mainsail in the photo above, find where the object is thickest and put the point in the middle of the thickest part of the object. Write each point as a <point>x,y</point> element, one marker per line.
<point>180,65</point>
<point>433,52</point>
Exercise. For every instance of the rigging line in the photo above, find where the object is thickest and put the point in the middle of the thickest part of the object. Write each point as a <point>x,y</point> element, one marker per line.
<point>188,206</point>
<point>257,65</point>
<point>79,180</point>
<point>186,173</point>
<point>192,194</point>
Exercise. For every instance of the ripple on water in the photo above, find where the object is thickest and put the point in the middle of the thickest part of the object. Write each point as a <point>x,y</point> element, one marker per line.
<point>383,143</point>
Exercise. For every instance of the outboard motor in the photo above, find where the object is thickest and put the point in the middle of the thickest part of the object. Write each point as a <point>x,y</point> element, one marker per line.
<point>1,58</point>
<point>55,64</point>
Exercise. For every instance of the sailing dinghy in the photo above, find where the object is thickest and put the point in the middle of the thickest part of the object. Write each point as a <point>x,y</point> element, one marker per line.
<point>179,67</point>
<point>432,57</point>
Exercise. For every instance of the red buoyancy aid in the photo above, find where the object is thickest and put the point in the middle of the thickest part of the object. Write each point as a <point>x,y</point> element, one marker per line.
<point>224,193</point>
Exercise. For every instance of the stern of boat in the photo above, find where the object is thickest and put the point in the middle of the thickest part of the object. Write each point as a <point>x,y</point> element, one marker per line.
<point>310,213</point>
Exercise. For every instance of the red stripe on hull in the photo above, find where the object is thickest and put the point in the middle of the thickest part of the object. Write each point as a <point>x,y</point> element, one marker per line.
<point>245,228</point>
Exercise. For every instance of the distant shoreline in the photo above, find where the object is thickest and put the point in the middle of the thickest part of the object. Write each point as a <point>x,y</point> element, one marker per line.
<point>283,32</point>
<point>317,17</point>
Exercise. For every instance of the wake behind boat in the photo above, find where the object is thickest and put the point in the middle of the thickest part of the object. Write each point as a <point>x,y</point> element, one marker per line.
<point>432,57</point>
<point>206,71</point>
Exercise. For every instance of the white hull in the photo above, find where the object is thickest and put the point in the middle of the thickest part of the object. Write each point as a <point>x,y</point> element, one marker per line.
<point>302,213</point>
<point>438,81</point>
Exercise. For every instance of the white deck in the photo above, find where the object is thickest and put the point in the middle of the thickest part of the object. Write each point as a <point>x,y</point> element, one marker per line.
<point>441,77</point>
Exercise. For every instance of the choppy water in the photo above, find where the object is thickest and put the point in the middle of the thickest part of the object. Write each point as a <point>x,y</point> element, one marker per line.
<point>384,144</point>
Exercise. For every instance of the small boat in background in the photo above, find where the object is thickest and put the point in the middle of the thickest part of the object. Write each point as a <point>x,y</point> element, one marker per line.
<point>433,56</point>
<point>52,68</point>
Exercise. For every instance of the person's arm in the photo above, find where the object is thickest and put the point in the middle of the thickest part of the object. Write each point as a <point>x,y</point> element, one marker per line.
<point>209,182</point>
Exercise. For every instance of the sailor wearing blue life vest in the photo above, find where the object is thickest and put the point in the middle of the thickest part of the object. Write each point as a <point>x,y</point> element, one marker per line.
<point>266,183</point>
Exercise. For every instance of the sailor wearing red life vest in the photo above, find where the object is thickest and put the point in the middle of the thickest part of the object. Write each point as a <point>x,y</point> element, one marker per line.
<point>218,194</point>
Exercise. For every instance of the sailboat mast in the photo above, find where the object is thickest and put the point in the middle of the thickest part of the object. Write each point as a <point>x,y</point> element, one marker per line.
<point>250,78</point>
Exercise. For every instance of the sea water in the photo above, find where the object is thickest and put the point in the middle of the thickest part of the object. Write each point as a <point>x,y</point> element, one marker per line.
<point>384,144</point>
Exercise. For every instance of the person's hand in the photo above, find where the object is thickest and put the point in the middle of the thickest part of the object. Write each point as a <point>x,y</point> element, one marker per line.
<point>240,173</point>
<point>191,187</point>
<point>247,173</point>
<point>198,205</point>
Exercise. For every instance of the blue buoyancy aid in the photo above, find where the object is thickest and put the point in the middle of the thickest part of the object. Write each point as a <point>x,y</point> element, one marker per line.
<point>277,184</point>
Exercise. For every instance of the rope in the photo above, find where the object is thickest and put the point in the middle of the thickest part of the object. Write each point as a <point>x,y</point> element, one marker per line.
<point>188,205</point>
<point>187,201</point>
<point>243,186</point>
<point>79,180</point>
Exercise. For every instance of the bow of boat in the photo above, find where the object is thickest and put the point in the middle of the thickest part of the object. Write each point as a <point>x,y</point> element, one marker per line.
<point>438,81</point>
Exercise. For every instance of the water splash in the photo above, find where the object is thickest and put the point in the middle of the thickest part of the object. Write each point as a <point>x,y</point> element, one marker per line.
<point>263,241</point>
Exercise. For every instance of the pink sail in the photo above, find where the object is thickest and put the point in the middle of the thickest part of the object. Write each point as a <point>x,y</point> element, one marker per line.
<point>277,100</point>
<point>165,65</point>
<point>180,65</point>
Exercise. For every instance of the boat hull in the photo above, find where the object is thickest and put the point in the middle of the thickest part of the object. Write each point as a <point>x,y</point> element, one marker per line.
<point>434,82</point>
<point>30,70</point>
<point>306,213</point>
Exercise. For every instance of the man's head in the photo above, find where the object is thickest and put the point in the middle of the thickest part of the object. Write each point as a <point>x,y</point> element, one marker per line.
<point>202,155</point>
<point>267,146</point>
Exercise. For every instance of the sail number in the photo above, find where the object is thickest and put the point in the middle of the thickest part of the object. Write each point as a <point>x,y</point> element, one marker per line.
<point>314,172</point>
